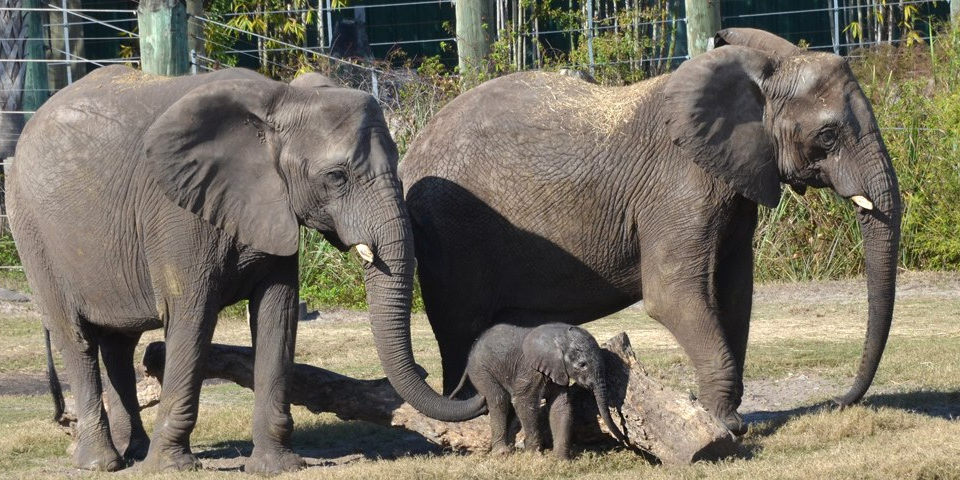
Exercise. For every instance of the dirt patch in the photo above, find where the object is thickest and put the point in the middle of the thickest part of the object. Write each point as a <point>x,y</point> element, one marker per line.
<point>24,384</point>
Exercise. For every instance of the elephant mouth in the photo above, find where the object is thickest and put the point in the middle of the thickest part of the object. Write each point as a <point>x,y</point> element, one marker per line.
<point>334,240</point>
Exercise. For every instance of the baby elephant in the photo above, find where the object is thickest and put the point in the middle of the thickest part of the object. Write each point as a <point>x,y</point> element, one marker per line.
<point>528,365</point>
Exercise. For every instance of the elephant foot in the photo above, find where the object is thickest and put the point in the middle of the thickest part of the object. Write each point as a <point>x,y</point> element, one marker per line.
<point>734,423</point>
<point>501,450</point>
<point>137,449</point>
<point>180,461</point>
<point>272,462</point>
<point>562,453</point>
<point>97,458</point>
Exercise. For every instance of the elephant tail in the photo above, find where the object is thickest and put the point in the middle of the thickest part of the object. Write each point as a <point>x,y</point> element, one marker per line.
<point>56,390</point>
<point>463,381</point>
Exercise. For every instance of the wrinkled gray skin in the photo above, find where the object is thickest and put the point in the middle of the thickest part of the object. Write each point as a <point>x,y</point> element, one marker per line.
<point>514,368</point>
<point>139,202</point>
<point>541,198</point>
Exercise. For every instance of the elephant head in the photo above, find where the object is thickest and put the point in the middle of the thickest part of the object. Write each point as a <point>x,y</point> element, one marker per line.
<point>258,159</point>
<point>757,111</point>
<point>565,353</point>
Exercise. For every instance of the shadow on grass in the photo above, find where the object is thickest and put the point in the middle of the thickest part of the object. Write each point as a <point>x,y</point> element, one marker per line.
<point>332,444</point>
<point>932,403</point>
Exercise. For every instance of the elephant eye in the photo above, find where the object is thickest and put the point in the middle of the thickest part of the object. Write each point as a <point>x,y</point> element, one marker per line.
<point>827,138</point>
<point>336,178</point>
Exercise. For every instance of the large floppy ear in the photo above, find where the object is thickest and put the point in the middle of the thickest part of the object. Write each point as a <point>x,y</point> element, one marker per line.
<point>715,108</point>
<point>757,39</point>
<point>543,348</point>
<point>214,153</point>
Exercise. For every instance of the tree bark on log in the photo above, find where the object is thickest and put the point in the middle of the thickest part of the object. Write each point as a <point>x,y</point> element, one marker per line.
<point>668,424</point>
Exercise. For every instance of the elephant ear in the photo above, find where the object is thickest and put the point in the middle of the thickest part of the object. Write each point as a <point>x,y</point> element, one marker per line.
<point>543,348</point>
<point>214,153</point>
<point>757,39</point>
<point>715,108</point>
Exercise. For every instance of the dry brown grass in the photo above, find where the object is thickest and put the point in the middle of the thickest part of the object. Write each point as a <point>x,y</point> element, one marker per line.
<point>600,109</point>
<point>805,344</point>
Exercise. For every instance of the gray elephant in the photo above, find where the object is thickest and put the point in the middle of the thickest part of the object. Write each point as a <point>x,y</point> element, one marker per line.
<point>140,202</point>
<point>541,198</point>
<point>515,368</point>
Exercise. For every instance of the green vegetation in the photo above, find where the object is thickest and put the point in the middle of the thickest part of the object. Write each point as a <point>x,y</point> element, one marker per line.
<point>915,91</point>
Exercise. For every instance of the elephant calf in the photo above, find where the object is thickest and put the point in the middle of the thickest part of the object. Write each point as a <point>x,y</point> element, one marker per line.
<point>522,366</point>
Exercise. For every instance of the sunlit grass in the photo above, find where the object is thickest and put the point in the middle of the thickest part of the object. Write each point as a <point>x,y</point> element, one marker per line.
<point>900,431</point>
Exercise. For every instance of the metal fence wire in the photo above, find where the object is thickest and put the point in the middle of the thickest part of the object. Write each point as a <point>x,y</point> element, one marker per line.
<point>369,44</point>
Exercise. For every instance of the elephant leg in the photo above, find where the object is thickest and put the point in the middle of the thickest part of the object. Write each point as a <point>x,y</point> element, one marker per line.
<point>526,401</point>
<point>189,332</point>
<point>446,307</point>
<point>126,427</point>
<point>273,324</point>
<point>501,415</point>
<point>561,423</point>
<point>734,281</point>
<point>454,349</point>
<point>94,447</point>
<point>687,307</point>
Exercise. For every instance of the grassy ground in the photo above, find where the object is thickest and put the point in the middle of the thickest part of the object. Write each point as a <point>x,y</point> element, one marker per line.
<point>805,346</point>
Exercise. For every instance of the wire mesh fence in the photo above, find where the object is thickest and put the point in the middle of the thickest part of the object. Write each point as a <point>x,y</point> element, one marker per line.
<point>382,46</point>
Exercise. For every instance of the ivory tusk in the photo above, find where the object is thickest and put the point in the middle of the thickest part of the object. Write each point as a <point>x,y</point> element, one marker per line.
<point>365,252</point>
<point>862,201</point>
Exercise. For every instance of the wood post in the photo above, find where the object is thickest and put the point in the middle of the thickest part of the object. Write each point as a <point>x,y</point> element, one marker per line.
<point>703,22</point>
<point>36,85</point>
<point>163,37</point>
<point>195,28</point>
<point>475,32</point>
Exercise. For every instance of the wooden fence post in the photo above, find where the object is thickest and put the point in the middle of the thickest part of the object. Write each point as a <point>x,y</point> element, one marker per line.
<point>36,85</point>
<point>473,40</point>
<point>703,22</point>
<point>163,37</point>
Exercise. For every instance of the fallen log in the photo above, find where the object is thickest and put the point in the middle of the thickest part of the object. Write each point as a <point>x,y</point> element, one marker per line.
<point>655,419</point>
<point>669,424</point>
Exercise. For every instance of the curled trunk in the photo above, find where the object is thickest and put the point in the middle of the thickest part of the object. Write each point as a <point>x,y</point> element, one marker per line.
<point>389,283</point>
<point>600,395</point>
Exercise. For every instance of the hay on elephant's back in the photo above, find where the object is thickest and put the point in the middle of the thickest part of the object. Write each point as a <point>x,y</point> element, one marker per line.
<point>602,110</point>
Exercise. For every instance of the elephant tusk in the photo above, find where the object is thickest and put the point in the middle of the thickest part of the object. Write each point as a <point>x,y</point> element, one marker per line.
<point>864,203</point>
<point>365,253</point>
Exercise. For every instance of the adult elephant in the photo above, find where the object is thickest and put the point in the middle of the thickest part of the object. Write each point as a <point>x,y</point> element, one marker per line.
<point>540,198</point>
<point>141,202</point>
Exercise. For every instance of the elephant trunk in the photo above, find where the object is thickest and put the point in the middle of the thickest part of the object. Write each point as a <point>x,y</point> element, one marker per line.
<point>880,227</point>
<point>600,395</point>
<point>389,281</point>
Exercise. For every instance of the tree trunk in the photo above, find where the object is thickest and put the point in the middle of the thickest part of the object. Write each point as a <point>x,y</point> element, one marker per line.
<point>473,39</point>
<point>654,419</point>
<point>703,22</point>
